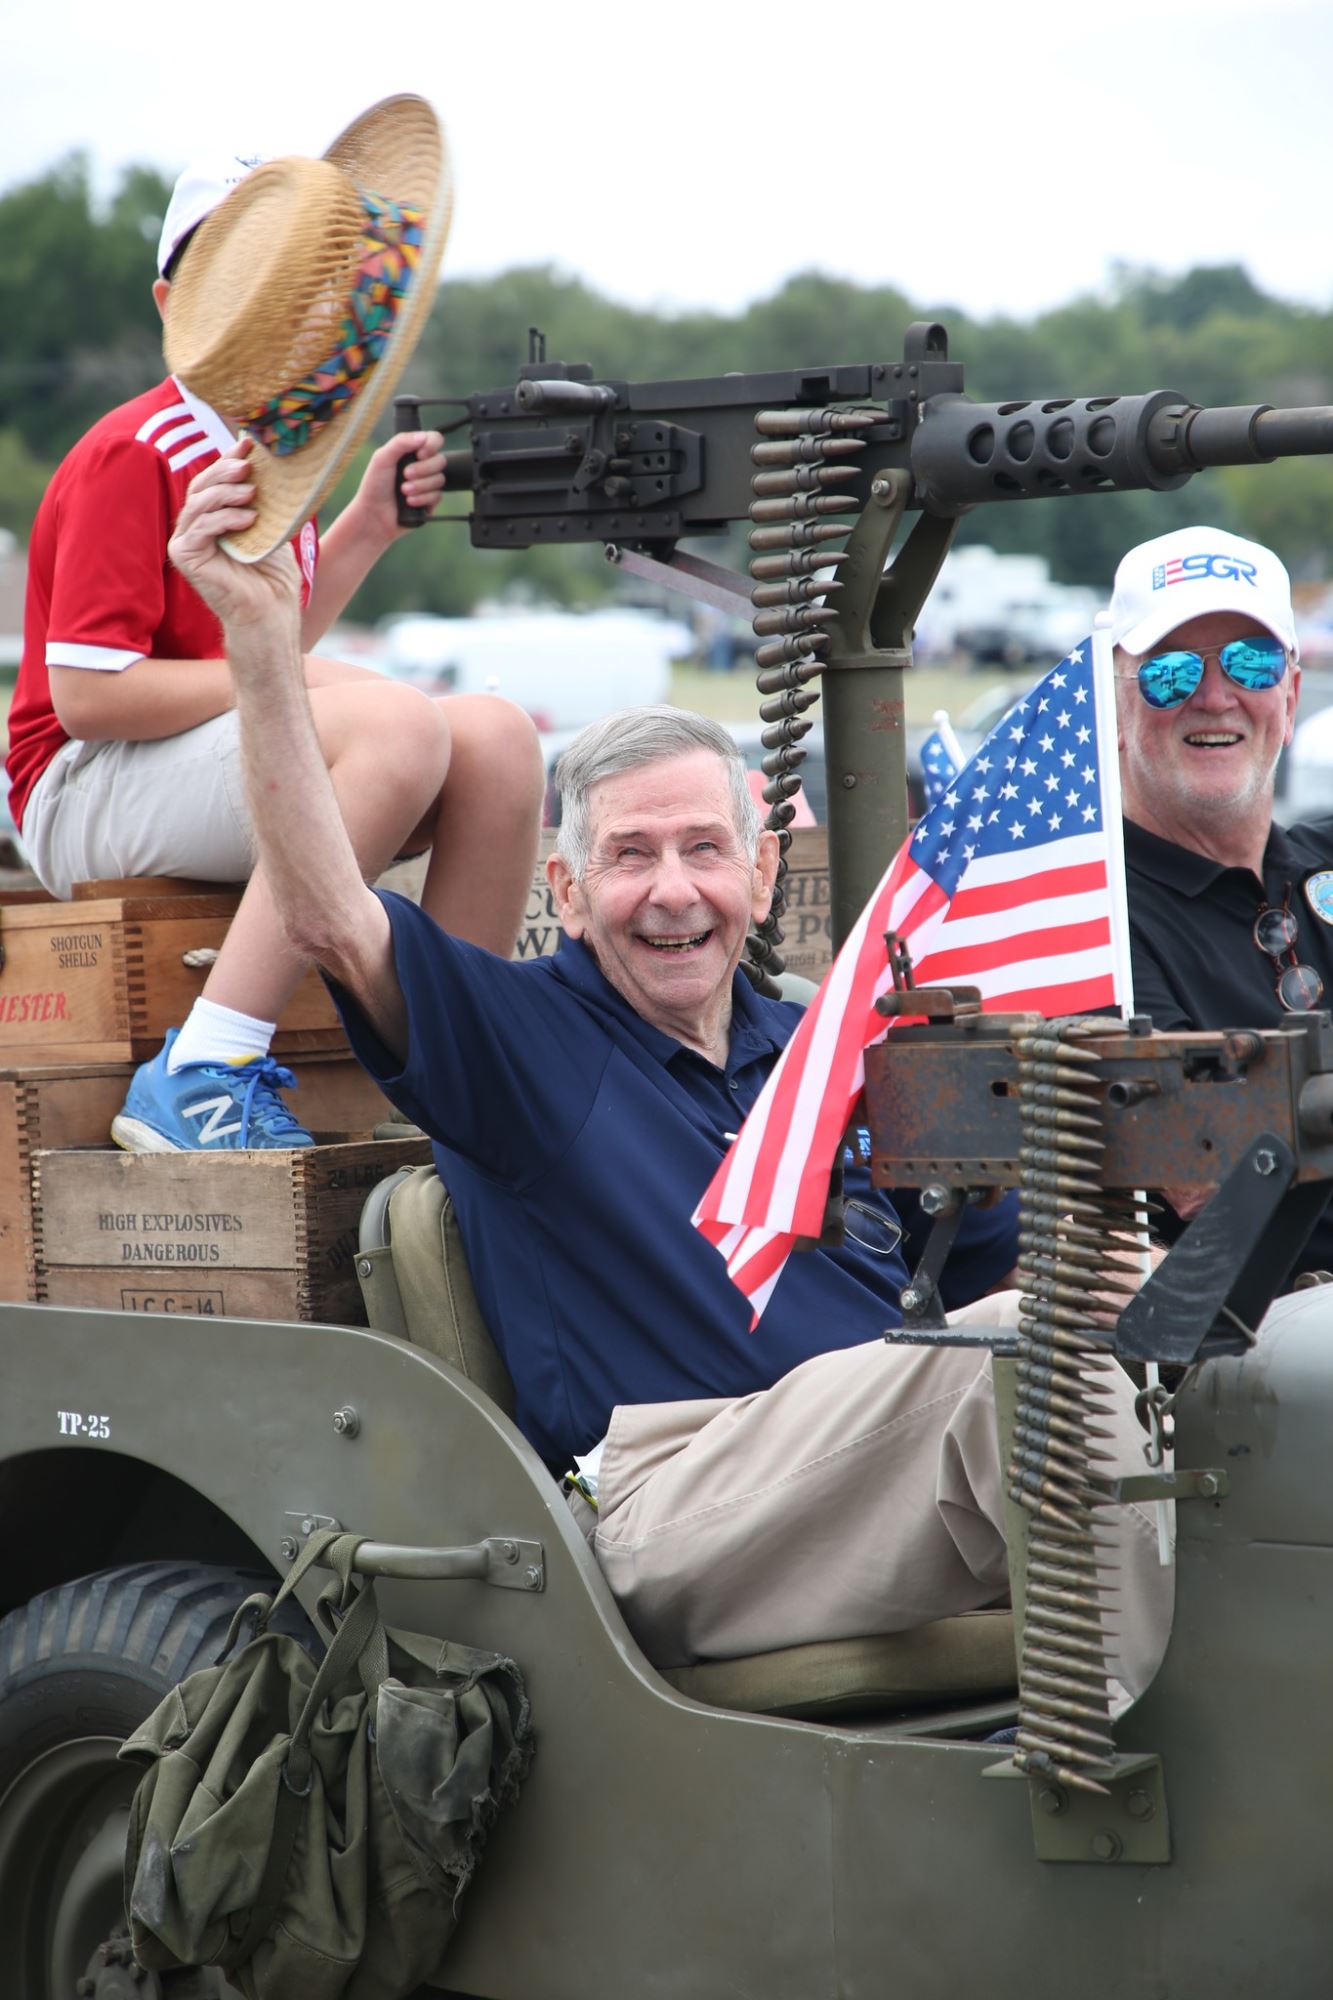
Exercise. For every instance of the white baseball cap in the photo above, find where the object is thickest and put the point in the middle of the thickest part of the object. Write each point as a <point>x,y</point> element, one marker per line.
<point>197,193</point>
<point>1164,583</point>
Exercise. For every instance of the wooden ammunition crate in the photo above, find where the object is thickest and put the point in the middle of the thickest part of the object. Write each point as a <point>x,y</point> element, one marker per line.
<point>102,978</point>
<point>63,1106</point>
<point>258,1235</point>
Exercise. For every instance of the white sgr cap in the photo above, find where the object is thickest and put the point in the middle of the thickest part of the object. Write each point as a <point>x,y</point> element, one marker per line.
<point>1164,583</point>
<point>197,193</point>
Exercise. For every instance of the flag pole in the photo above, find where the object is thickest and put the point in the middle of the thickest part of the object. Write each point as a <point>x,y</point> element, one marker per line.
<point>1108,760</point>
<point>948,739</point>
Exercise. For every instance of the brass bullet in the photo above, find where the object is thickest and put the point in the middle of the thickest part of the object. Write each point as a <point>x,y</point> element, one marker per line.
<point>804,448</point>
<point>795,590</point>
<point>798,534</point>
<point>793,618</point>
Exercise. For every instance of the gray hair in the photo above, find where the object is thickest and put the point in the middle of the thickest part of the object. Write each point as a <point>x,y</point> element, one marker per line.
<point>624,741</point>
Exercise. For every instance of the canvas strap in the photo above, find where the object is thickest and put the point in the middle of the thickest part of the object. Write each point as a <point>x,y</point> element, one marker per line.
<point>359,1632</point>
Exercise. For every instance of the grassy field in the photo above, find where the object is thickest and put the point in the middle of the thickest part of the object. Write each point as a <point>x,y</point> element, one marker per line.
<point>732,697</point>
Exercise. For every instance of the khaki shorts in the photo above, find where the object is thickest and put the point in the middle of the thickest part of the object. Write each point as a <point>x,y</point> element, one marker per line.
<point>172,807</point>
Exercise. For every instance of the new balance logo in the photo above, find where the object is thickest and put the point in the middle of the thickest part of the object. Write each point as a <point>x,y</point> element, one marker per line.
<point>213,1110</point>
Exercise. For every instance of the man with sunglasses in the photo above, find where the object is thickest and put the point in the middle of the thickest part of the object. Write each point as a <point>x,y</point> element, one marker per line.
<point>1230,915</point>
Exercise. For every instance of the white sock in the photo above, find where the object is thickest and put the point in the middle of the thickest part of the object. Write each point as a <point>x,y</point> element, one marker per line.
<point>214,1034</point>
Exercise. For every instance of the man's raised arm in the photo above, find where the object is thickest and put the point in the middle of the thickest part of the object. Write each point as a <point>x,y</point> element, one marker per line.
<point>304,852</point>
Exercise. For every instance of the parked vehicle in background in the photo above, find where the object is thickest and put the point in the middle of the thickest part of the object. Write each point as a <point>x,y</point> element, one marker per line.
<point>1002,610</point>
<point>812,799</point>
<point>564,668</point>
<point>1314,630</point>
<point>1306,790</point>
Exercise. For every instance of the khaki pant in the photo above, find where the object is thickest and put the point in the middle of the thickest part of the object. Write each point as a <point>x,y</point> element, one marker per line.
<point>860,1494</point>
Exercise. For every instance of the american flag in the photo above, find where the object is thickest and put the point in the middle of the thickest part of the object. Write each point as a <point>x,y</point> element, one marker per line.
<point>1013,882</point>
<point>940,760</point>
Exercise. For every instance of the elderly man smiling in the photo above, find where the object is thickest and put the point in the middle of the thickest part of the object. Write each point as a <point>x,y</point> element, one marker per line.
<point>751,1490</point>
<point>1231,916</point>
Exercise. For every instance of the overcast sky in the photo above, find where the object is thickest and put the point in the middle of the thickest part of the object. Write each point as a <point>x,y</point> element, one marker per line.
<point>997,156</point>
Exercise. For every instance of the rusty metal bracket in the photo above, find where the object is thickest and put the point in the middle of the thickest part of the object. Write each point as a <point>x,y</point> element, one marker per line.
<point>691,575</point>
<point>1198,1483</point>
<point>993,1339</point>
<point>1129,1824</point>
<point>930,1003</point>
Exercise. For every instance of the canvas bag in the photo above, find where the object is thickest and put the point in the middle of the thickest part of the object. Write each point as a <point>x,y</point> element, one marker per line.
<point>310,1828</point>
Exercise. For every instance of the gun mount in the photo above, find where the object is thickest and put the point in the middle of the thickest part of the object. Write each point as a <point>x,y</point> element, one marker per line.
<point>953,1101</point>
<point>1084,1115</point>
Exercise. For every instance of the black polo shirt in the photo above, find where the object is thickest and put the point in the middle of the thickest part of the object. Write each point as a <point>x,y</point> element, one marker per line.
<point>1191,930</point>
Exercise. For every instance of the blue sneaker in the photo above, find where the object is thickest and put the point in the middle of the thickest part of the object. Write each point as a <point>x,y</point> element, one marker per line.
<point>207,1107</point>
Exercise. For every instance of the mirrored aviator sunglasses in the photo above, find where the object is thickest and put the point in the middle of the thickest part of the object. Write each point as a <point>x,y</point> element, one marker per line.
<point>1168,679</point>
<point>1299,987</point>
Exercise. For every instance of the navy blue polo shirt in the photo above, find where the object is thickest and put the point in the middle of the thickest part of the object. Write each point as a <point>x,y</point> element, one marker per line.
<point>576,1140</point>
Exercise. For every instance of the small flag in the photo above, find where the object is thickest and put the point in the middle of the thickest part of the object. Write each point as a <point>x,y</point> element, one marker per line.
<point>1013,882</point>
<point>941,760</point>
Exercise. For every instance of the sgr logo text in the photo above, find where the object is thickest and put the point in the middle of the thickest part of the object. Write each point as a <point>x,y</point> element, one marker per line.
<point>1193,569</point>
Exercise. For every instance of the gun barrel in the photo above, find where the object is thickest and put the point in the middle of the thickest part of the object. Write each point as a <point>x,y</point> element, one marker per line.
<point>1250,434</point>
<point>964,453</point>
<point>1295,433</point>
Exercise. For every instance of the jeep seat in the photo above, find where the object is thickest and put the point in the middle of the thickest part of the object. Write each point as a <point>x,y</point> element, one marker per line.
<point>416,1283</point>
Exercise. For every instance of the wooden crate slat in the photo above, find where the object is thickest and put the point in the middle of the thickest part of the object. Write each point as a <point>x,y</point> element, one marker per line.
<point>278,1295</point>
<point>122,886</point>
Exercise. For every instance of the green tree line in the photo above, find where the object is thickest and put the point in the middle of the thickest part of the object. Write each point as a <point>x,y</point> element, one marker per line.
<point>79,332</point>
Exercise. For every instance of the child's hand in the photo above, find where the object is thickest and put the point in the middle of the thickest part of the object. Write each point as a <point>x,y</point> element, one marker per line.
<point>422,457</point>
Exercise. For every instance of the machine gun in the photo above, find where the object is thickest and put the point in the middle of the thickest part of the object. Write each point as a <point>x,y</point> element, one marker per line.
<point>825,464</point>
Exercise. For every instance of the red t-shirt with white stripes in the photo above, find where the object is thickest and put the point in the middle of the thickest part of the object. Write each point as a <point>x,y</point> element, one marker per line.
<point>102,591</point>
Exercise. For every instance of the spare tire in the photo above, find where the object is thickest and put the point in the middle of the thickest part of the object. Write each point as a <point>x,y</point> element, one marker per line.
<point>80,1667</point>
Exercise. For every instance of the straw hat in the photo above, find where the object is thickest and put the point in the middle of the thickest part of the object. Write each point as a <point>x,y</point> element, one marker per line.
<point>302,297</point>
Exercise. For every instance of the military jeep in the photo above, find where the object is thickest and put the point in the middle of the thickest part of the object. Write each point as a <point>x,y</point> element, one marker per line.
<point>907,1813</point>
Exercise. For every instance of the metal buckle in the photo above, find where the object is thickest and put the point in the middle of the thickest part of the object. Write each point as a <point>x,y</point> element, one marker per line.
<point>309,1783</point>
